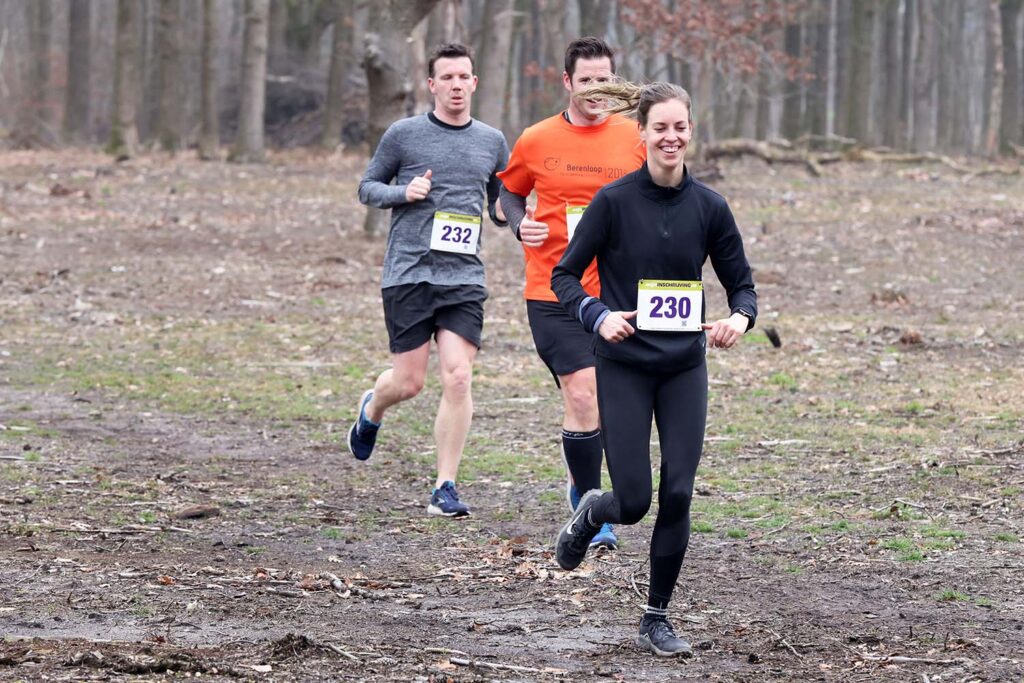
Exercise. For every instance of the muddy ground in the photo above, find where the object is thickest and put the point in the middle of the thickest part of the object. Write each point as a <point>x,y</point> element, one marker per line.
<point>182,345</point>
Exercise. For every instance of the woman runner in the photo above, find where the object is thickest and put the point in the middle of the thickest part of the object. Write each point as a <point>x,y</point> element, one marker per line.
<point>651,232</point>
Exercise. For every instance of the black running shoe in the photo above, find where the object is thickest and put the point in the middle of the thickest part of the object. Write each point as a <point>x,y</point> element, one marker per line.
<point>363,434</point>
<point>605,538</point>
<point>656,635</point>
<point>574,538</point>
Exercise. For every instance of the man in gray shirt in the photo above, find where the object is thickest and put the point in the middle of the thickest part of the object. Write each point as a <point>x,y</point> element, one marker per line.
<point>443,164</point>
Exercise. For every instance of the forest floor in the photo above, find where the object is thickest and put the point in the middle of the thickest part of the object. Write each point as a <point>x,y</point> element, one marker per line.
<point>179,334</point>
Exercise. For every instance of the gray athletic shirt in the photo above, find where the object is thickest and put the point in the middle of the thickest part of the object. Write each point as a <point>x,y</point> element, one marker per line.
<point>464,161</point>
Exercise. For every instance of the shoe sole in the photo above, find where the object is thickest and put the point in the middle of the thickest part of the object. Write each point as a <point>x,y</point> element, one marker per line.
<point>434,510</point>
<point>645,643</point>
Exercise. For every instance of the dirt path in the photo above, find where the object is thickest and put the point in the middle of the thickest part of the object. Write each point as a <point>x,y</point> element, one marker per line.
<point>177,334</point>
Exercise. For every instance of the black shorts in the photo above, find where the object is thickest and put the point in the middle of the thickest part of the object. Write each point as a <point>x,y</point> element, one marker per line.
<point>413,313</point>
<point>561,341</point>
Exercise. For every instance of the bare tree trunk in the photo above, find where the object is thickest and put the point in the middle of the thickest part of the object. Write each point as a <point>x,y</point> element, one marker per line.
<point>995,107</point>
<point>513,124</point>
<point>1011,58</point>
<point>950,40</point>
<point>859,67</point>
<point>876,84</point>
<point>386,63</point>
<point>844,70</point>
<point>169,113</point>
<point>336,75</point>
<point>924,80</point>
<point>790,127</point>
<point>124,137</point>
<point>816,109</point>
<point>277,45</point>
<point>704,104</point>
<point>594,16</point>
<point>77,122</point>
<point>959,133</point>
<point>832,68</point>
<point>150,69</point>
<point>454,22</point>
<point>249,145</point>
<point>892,73</point>
<point>209,136</point>
<point>975,28</point>
<point>910,30</point>
<point>491,97</point>
<point>418,42</point>
<point>747,104</point>
<point>34,127</point>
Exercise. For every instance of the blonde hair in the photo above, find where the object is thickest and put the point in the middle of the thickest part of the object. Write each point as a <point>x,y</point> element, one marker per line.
<point>634,99</point>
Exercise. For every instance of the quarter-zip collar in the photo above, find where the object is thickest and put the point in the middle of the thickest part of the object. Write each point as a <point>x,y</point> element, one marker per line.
<point>659,193</point>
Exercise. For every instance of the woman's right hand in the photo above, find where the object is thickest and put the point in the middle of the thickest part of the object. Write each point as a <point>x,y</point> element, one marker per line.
<point>615,327</point>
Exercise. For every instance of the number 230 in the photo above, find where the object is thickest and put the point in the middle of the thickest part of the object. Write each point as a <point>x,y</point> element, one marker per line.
<point>673,307</point>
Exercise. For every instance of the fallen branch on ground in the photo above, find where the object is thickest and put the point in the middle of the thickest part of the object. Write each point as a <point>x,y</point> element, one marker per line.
<point>798,152</point>
<point>783,641</point>
<point>738,147</point>
<point>505,667</point>
<point>897,659</point>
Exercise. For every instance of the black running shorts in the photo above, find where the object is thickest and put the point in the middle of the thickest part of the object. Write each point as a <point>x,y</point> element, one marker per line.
<point>413,313</point>
<point>561,341</point>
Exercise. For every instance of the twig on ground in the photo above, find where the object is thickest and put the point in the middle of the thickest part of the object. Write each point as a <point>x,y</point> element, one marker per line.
<point>444,651</point>
<point>505,667</point>
<point>900,501</point>
<point>343,653</point>
<point>633,581</point>
<point>898,659</point>
<point>783,641</point>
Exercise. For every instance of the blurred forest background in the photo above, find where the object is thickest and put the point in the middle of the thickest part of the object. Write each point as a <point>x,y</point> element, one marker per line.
<point>915,75</point>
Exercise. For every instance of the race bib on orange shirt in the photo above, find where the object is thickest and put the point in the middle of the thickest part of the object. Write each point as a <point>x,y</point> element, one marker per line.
<point>573,215</point>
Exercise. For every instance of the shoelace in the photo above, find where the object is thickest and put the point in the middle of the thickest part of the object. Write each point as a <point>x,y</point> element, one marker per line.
<point>661,630</point>
<point>449,494</point>
<point>579,543</point>
<point>364,428</point>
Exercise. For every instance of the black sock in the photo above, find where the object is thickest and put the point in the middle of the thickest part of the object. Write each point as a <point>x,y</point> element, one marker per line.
<point>583,454</point>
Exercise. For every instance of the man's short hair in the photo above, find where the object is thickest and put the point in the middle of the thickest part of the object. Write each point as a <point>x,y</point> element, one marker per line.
<point>588,47</point>
<point>449,51</point>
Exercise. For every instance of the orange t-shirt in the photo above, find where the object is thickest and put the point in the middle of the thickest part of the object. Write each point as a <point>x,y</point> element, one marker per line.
<point>567,165</point>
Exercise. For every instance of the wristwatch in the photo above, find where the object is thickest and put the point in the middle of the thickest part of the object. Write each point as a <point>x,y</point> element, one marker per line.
<point>745,314</point>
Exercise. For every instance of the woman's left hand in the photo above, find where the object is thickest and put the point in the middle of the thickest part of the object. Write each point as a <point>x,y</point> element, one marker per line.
<point>727,331</point>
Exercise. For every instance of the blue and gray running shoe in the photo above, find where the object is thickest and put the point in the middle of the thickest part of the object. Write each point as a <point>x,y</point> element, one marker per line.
<point>657,635</point>
<point>363,434</point>
<point>445,502</point>
<point>605,538</point>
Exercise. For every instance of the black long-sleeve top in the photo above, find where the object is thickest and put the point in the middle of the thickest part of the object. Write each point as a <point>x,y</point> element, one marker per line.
<point>639,230</point>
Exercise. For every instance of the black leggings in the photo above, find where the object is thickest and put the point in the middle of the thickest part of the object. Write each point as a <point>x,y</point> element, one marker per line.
<point>628,398</point>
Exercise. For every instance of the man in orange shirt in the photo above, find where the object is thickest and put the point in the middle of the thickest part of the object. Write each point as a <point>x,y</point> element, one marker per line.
<point>567,158</point>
